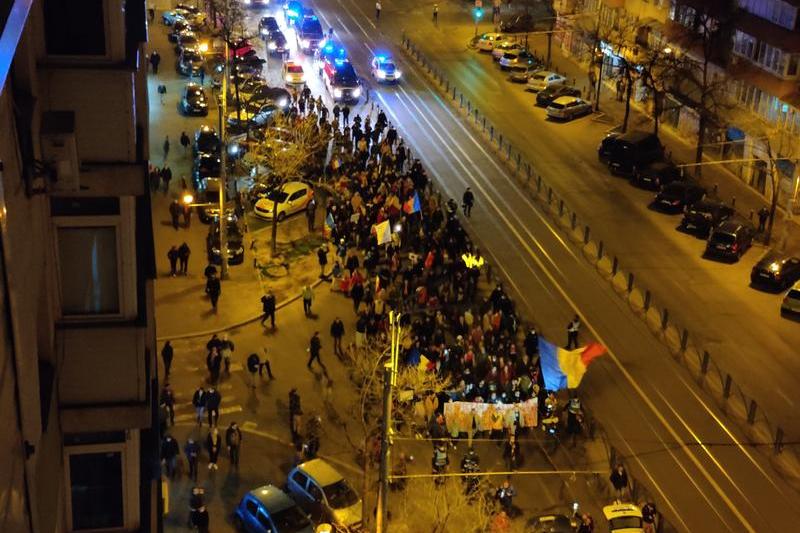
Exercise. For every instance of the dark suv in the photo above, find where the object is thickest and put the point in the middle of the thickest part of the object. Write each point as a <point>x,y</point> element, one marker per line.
<point>656,175</point>
<point>626,152</point>
<point>701,216</point>
<point>674,197</point>
<point>730,239</point>
<point>775,271</point>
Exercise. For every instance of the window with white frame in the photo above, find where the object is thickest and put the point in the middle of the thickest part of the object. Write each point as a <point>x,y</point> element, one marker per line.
<point>96,260</point>
<point>776,11</point>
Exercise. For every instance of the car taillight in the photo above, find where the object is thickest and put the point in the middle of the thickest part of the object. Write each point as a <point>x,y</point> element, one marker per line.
<point>735,246</point>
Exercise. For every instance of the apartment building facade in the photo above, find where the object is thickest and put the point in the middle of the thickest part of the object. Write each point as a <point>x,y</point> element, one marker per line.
<point>78,373</point>
<point>759,60</point>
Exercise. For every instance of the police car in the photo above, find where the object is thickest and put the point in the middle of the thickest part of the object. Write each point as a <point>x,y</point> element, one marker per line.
<point>327,52</point>
<point>384,70</point>
<point>341,80</point>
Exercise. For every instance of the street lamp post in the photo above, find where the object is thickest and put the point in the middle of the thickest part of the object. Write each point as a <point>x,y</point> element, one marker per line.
<point>389,381</point>
<point>223,172</point>
<point>477,14</point>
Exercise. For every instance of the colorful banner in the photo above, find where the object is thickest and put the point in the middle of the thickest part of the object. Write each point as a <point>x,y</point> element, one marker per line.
<point>459,416</point>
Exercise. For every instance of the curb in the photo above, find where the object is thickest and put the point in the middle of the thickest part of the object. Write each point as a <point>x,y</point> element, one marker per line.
<point>207,332</point>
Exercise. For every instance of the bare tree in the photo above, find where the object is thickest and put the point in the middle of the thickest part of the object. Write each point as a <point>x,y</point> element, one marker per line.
<point>706,40</point>
<point>658,75</point>
<point>230,26</point>
<point>292,149</point>
<point>426,506</point>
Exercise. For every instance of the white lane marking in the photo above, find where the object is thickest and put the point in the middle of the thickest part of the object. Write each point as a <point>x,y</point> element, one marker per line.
<point>596,334</point>
<point>343,24</point>
<point>223,411</point>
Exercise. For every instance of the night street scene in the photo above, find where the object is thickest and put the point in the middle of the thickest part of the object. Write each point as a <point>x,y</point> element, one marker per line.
<point>295,266</point>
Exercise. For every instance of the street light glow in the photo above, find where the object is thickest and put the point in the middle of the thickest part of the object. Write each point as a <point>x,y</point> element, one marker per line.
<point>188,198</point>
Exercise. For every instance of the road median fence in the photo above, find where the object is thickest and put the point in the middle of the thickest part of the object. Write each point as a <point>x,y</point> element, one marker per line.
<point>685,346</point>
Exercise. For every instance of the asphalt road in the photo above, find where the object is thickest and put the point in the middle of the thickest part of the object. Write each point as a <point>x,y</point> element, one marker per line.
<point>680,444</point>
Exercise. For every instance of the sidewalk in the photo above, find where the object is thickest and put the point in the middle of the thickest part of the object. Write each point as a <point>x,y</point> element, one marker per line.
<point>241,293</point>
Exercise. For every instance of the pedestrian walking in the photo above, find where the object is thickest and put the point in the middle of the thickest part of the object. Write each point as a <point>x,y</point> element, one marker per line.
<point>435,14</point>
<point>586,525</point>
<point>619,480</point>
<point>172,255</point>
<point>337,332</point>
<point>169,454</point>
<point>168,401</point>
<point>763,215</point>
<point>166,149</point>
<point>214,363</point>
<point>322,258</point>
<point>166,356</point>
<point>314,349</point>
<point>265,364</point>
<point>233,440</point>
<point>155,60</point>
<point>202,76</point>
<point>346,116</point>
<point>155,179</point>
<point>212,398</point>
<point>295,413</point>
<point>199,519</point>
<point>187,215</point>
<point>213,443</point>
<point>311,213</point>
<point>162,92</point>
<point>213,290</point>
<point>185,142</point>
<point>572,332</point>
<point>183,257</point>
<point>175,213</point>
<point>308,299</point>
<point>505,496</point>
<point>166,177</point>
<point>268,308</point>
<point>253,365</point>
<point>378,11</point>
<point>226,350</point>
<point>199,403</point>
<point>196,502</point>
<point>467,201</point>
<point>192,451</point>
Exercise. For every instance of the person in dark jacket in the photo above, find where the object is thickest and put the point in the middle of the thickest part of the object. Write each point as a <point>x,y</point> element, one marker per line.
<point>199,403</point>
<point>253,367</point>
<point>192,451</point>
<point>467,201</point>
<point>175,213</point>
<point>168,401</point>
<point>268,308</point>
<point>183,258</point>
<point>337,332</point>
<point>213,289</point>
<point>619,479</point>
<point>155,60</point>
<point>213,398</point>
<point>169,454</point>
<point>214,365</point>
<point>173,256</point>
<point>322,257</point>
<point>166,357</point>
<point>314,349</point>
<point>233,440</point>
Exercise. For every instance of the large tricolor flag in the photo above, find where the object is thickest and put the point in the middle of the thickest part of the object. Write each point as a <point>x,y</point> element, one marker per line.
<point>330,225</point>
<point>564,369</point>
<point>412,205</point>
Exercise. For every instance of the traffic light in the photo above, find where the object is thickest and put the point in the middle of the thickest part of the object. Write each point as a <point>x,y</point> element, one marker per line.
<point>478,13</point>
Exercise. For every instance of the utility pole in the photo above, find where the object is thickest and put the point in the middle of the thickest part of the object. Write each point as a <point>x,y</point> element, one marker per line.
<point>223,171</point>
<point>389,381</point>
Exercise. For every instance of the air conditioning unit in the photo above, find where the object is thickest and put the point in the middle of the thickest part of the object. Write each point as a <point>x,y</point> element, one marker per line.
<point>60,149</point>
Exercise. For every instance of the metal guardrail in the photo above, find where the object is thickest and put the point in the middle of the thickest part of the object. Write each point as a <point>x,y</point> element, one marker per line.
<point>685,346</point>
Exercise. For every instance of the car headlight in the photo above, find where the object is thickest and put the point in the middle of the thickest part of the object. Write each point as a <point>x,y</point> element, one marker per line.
<point>288,79</point>
<point>203,104</point>
<point>303,76</point>
<point>337,93</point>
<point>282,102</point>
<point>215,250</point>
<point>397,73</point>
<point>380,73</point>
<point>264,31</point>
<point>247,2</point>
<point>306,43</point>
<point>357,92</point>
<point>272,45</point>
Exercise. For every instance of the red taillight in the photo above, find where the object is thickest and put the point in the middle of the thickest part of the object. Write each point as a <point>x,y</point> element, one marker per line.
<point>735,246</point>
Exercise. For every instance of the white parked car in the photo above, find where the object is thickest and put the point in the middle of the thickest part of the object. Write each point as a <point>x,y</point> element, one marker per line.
<point>568,107</point>
<point>488,41</point>
<point>544,79</point>
<point>791,302</point>
<point>500,49</point>
<point>292,198</point>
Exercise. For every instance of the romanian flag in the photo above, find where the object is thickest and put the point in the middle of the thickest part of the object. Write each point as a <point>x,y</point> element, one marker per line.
<point>564,369</point>
<point>412,205</point>
<point>329,225</point>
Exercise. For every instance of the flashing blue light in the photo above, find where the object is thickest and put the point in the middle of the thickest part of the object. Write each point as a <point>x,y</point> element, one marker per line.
<point>380,59</point>
<point>338,61</point>
<point>313,17</point>
<point>329,48</point>
<point>291,13</point>
<point>342,52</point>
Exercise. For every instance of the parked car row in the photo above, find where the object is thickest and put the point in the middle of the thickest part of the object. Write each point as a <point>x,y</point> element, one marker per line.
<point>315,493</point>
<point>561,101</point>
